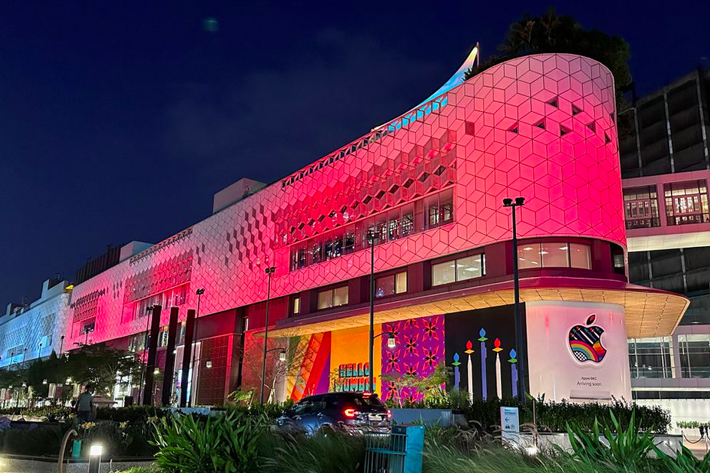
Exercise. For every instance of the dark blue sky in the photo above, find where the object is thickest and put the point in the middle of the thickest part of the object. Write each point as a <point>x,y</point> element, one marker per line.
<point>120,119</point>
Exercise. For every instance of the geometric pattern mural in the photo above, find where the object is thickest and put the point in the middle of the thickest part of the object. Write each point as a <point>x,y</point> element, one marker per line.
<point>540,126</point>
<point>419,350</point>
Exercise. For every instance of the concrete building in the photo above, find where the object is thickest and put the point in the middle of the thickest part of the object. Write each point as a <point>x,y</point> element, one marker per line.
<point>666,166</point>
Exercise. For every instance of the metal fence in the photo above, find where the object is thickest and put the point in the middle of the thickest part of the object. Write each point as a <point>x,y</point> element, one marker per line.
<point>397,452</point>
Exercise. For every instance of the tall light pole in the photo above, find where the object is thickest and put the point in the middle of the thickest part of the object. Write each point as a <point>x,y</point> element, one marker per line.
<point>370,383</point>
<point>519,201</point>
<point>61,346</point>
<point>269,271</point>
<point>193,347</point>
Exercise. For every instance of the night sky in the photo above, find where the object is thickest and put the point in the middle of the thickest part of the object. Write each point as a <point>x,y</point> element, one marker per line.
<point>120,119</point>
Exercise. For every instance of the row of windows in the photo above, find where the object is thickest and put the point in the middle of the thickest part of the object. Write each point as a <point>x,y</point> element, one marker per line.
<point>654,357</point>
<point>554,255</point>
<point>686,203</point>
<point>175,297</point>
<point>423,214</point>
<point>530,255</point>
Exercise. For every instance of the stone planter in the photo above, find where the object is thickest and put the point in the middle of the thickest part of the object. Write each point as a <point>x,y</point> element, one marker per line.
<point>440,417</point>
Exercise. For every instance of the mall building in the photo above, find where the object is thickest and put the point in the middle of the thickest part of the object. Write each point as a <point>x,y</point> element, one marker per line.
<point>429,185</point>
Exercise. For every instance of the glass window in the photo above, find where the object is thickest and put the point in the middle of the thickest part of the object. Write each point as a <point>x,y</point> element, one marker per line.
<point>443,273</point>
<point>340,296</point>
<point>555,255</point>
<point>349,243</point>
<point>641,207</point>
<point>297,305</point>
<point>400,282</point>
<point>651,358</point>
<point>391,284</point>
<point>458,270</point>
<point>325,299</point>
<point>469,268</point>
<point>529,255</point>
<point>580,256</point>
<point>384,286</point>
<point>694,355</point>
<point>686,202</point>
<point>333,297</point>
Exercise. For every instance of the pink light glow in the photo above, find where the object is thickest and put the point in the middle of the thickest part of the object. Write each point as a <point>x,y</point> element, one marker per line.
<point>489,139</point>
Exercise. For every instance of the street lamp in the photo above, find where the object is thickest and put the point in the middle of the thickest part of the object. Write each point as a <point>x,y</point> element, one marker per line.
<point>519,201</point>
<point>141,388</point>
<point>193,347</point>
<point>269,271</point>
<point>371,240</point>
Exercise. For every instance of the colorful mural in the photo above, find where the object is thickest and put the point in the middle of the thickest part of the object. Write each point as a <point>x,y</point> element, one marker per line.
<point>490,373</point>
<point>419,349</point>
<point>311,366</point>
<point>349,359</point>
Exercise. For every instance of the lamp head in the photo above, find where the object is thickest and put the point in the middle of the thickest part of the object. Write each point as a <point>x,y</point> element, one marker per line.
<point>391,342</point>
<point>507,202</point>
<point>519,200</point>
<point>200,291</point>
<point>282,355</point>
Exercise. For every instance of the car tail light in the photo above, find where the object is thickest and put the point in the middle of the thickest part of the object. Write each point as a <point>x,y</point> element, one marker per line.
<point>389,414</point>
<point>350,413</point>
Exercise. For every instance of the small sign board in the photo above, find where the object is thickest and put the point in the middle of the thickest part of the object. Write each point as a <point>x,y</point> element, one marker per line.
<point>510,423</point>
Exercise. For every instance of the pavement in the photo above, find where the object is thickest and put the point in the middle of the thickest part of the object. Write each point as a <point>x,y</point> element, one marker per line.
<point>20,465</point>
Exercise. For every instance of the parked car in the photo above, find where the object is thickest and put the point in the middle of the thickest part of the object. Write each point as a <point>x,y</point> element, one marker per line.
<point>349,412</point>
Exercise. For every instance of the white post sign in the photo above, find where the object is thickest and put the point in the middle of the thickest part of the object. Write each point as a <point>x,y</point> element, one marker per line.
<point>510,423</point>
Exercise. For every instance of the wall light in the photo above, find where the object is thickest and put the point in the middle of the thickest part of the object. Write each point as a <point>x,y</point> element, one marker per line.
<point>44,381</point>
<point>282,355</point>
<point>208,364</point>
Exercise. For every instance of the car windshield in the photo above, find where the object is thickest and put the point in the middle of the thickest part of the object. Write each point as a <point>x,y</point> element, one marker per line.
<point>371,401</point>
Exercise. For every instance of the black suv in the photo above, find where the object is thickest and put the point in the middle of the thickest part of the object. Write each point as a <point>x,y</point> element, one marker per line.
<point>350,412</point>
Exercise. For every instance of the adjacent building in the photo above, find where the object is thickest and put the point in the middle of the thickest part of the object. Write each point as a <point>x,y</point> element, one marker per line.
<point>666,168</point>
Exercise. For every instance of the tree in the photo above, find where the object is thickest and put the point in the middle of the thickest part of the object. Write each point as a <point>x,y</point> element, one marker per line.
<point>550,33</point>
<point>101,366</point>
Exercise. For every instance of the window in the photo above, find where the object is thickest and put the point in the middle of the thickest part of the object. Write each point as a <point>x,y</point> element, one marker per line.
<point>469,268</point>
<point>651,358</point>
<point>641,207</point>
<point>333,297</point>
<point>686,202</point>
<point>694,355</point>
<point>554,255</point>
<point>459,269</point>
<point>390,285</point>
<point>581,256</point>
<point>296,305</point>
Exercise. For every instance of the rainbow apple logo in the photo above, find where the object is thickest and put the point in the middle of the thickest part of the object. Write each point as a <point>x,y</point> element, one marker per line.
<point>586,343</point>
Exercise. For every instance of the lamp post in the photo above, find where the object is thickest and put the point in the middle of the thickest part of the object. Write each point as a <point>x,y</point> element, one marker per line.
<point>371,240</point>
<point>269,271</point>
<point>519,201</point>
<point>193,347</point>
<point>61,346</point>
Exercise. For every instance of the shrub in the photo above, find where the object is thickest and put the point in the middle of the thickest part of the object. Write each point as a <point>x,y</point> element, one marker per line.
<point>37,441</point>
<point>330,452</point>
<point>626,447</point>
<point>225,443</point>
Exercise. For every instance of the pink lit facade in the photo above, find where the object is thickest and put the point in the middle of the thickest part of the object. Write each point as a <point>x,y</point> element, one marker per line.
<point>431,184</point>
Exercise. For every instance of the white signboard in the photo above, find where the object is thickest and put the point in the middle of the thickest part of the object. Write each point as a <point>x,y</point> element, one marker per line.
<point>510,423</point>
<point>577,351</point>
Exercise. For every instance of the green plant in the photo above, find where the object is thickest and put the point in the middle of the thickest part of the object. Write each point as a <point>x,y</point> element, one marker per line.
<point>330,452</point>
<point>226,443</point>
<point>684,462</point>
<point>240,397</point>
<point>623,446</point>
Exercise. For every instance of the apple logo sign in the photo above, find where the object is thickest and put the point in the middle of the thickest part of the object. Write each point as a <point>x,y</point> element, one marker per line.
<point>585,341</point>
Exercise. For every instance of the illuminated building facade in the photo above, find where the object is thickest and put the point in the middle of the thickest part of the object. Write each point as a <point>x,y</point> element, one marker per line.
<point>430,184</point>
